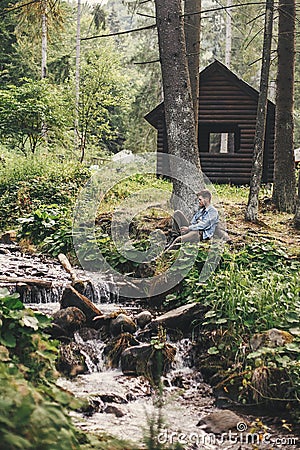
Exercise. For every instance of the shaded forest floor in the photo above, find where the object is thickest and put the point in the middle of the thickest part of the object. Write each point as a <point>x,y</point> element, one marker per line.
<point>272,225</point>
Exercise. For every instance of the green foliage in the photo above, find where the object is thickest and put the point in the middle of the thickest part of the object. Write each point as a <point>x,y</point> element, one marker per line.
<point>31,406</point>
<point>43,222</point>
<point>27,420</point>
<point>89,252</point>
<point>271,373</point>
<point>31,113</point>
<point>49,227</point>
<point>13,65</point>
<point>61,241</point>
<point>141,136</point>
<point>31,183</point>
<point>20,328</point>
<point>254,289</point>
<point>105,98</point>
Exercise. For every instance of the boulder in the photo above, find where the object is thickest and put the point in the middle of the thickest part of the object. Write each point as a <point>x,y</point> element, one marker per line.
<point>69,319</point>
<point>145,359</point>
<point>71,297</point>
<point>89,334</point>
<point>110,397</point>
<point>8,237</point>
<point>122,324</point>
<point>143,318</point>
<point>222,421</point>
<point>111,409</point>
<point>71,361</point>
<point>117,345</point>
<point>270,338</point>
<point>180,318</point>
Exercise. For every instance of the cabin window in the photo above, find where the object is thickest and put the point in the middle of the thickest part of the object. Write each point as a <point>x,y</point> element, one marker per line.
<point>221,142</point>
<point>219,138</point>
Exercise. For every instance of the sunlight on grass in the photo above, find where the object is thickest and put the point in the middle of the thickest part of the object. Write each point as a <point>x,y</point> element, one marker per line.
<point>237,194</point>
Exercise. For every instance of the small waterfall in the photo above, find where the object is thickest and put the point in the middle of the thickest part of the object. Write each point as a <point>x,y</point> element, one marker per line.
<point>40,281</point>
<point>183,358</point>
<point>93,352</point>
<point>101,290</point>
<point>37,295</point>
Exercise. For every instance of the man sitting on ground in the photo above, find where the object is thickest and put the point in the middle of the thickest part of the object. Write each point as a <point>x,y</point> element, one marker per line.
<point>202,225</point>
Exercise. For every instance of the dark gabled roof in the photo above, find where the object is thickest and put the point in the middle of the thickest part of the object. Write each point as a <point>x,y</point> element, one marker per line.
<point>217,66</point>
<point>153,116</point>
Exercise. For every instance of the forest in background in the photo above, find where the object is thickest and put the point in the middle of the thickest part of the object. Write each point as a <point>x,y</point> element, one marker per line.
<point>120,79</point>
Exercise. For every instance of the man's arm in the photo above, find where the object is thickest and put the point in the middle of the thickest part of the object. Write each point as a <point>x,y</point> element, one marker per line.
<point>209,219</point>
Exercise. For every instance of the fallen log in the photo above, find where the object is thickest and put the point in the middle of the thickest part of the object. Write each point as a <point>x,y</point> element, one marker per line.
<point>67,266</point>
<point>78,284</point>
<point>30,281</point>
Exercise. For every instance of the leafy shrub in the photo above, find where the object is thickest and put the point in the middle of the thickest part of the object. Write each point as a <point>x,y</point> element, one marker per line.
<point>103,244</point>
<point>28,183</point>
<point>61,241</point>
<point>23,333</point>
<point>28,421</point>
<point>253,290</point>
<point>25,109</point>
<point>32,411</point>
<point>43,222</point>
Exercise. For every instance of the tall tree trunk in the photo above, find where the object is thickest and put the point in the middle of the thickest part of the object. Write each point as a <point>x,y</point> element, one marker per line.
<point>178,104</point>
<point>44,40</point>
<point>44,58</point>
<point>297,214</point>
<point>77,77</point>
<point>260,132</point>
<point>284,194</point>
<point>192,23</point>
<point>228,39</point>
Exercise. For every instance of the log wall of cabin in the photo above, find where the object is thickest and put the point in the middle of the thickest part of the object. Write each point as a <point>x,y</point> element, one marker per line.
<point>222,103</point>
<point>162,169</point>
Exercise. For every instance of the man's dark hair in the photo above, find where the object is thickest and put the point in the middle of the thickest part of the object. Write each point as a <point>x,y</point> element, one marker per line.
<point>205,193</point>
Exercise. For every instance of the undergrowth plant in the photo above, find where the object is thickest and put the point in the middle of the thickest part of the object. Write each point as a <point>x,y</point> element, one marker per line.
<point>32,413</point>
<point>254,289</point>
<point>26,183</point>
<point>49,227</point>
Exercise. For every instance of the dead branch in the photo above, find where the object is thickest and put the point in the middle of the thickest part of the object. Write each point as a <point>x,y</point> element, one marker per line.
<point>118,33</point>
<point>29,281</point>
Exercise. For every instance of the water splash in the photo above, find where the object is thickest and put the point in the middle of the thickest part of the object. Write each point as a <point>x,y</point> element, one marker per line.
<point>93,352</point>
<point>100,290</point>
<point>183,358</point>
<point>37,295</point>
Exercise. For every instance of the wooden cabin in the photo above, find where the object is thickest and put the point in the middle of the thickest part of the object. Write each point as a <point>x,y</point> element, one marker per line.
<point>227,119</point>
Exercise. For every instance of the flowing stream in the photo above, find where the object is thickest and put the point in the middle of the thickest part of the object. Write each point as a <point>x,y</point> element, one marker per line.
<point>126,406</point>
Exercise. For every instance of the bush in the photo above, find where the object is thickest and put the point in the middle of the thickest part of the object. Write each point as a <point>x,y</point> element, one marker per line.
<point>32,411</point>
<point>253,290</point>
<point>26,109</point>
<point>28,183</point>
<point>49,227</point>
